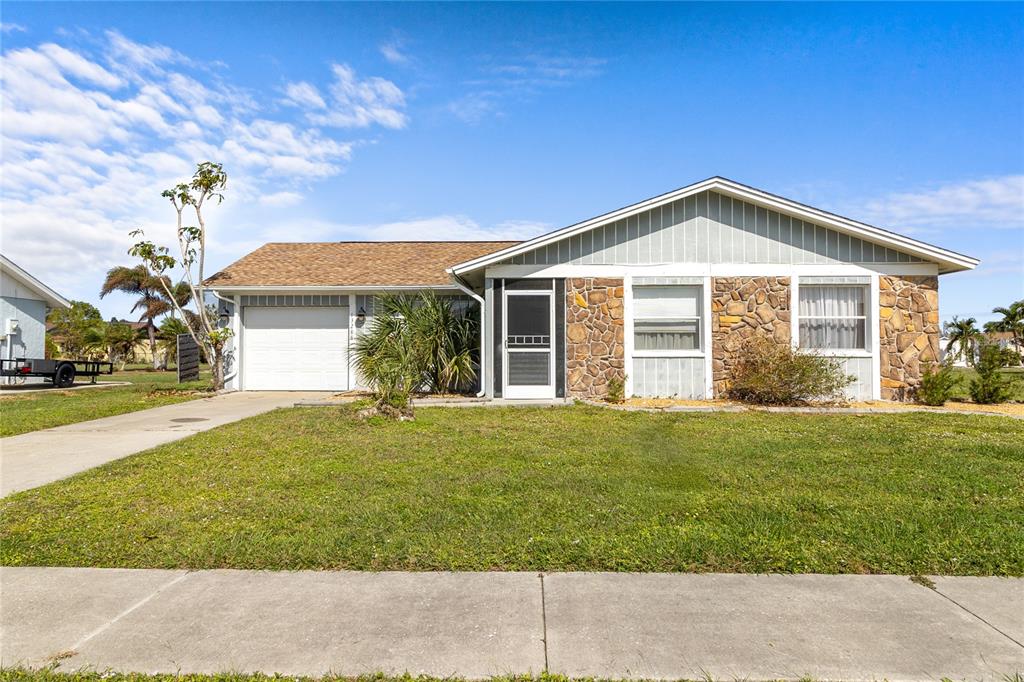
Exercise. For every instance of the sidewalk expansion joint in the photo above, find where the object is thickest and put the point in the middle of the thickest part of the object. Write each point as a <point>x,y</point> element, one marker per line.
<point>142,602</point>
<point>544,620</point>
<point>938,591</point>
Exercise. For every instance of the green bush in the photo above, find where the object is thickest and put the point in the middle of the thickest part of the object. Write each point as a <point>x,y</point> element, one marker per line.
<point>990,386</point>
<point>773,373</point>
<point>616,390</point>
<point>415,343</point>
<point>1010,357</point>
<point>938,382</point>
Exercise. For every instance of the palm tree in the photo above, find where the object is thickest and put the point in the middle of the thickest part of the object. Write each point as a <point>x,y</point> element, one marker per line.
<point>167,337</point>
<point>1013,322</point>
<point>152,299</point>
<point>964,337</point>
<point>415,342</point>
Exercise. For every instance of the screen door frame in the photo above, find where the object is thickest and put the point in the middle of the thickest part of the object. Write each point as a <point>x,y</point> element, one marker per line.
<point>532,391</point>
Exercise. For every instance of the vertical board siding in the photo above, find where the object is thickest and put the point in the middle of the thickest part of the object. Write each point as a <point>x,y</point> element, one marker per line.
<point>710,227</point>
<point>668,377</point>
<point>860,368</point>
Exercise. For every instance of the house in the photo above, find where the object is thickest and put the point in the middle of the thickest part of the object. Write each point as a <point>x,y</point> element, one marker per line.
<point>662,293</point>
<point>24,303</point>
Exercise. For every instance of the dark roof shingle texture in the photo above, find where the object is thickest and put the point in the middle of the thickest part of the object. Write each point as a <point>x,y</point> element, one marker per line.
<point>351,263</point>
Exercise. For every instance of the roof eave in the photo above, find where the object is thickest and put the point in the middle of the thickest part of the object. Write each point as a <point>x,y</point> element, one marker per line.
<point>50,297</point>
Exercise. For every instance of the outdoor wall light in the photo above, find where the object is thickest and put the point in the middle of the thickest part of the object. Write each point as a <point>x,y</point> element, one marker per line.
<point>361,315</point>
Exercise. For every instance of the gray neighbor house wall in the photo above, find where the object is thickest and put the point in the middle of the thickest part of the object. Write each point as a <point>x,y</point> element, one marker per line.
<point>22,298</point>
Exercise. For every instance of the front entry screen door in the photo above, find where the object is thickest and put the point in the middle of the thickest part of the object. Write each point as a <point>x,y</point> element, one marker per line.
<point>529,345</point>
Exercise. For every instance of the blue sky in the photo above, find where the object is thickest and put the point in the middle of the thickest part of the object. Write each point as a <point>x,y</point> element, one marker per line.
<point>424,121</point>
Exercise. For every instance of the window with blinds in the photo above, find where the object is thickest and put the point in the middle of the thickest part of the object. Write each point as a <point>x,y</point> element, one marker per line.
<point>666,318</point>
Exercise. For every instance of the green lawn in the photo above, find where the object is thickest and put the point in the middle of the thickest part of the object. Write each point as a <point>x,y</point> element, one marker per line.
<point>575,488</point>
<point>24,412</point>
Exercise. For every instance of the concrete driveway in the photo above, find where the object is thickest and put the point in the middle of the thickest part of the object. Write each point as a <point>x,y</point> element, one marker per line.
<point>34,459</point>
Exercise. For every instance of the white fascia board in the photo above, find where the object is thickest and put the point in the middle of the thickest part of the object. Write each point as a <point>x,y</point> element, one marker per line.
<point>711,270</point>
<point>951,260</point>
<point>229,291</point>
<point>52,298</point>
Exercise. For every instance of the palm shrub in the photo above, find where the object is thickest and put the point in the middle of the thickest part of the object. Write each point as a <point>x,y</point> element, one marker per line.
<point>937,384</point>
<point>771,373</point>
<point>415,343</point>
<point>990,386</point>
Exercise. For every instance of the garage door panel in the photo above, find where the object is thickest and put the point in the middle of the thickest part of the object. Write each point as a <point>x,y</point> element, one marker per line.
<point>289,349</point>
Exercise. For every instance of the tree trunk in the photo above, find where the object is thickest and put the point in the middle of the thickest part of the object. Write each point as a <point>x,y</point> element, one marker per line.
<point>151,328</point>
<point>218,369</point>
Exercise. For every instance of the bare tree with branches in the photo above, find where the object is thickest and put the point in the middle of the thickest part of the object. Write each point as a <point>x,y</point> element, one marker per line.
<point>208,183</point>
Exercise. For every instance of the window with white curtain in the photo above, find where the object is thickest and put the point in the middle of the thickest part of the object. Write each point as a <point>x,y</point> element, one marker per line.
<point>833,317</point>
<point>666,318</point>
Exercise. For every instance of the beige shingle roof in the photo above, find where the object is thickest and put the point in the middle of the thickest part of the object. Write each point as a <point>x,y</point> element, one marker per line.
<point>350,263</point>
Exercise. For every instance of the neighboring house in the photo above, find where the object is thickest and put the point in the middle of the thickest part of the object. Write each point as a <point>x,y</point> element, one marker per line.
<point>662,293</point>
<point>958,359</point>
<point>1001,339</point>
<point>24,303</point>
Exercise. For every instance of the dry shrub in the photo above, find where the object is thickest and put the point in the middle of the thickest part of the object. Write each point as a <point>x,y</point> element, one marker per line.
<point>771,373</point>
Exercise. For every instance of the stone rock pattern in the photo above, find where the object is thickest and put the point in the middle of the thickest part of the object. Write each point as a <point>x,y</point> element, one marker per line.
<point>594,334</point>
<point>740,308</point>
<point>908,317</point>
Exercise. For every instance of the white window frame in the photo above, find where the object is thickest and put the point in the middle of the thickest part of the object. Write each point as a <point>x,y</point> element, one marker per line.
<point>866,351</point>
<point>699,319</point>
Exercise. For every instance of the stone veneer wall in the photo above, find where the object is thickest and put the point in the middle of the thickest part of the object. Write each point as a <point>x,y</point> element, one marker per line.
<point>908,312</point>
<point>594,335</point>
<point>740,308</point>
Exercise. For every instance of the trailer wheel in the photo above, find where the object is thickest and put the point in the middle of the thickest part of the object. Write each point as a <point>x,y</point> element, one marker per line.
<point>64,377</point>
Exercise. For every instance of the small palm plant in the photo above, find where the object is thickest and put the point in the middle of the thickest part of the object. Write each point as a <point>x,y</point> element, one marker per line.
<point>415,343</point>
<point>964,337</point>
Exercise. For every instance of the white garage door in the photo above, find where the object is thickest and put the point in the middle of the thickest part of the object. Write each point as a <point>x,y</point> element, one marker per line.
<point>295,349</point>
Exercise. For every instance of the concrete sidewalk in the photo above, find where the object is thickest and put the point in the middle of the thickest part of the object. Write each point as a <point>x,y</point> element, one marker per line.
<point>40,457</point>
<point>477,625</point>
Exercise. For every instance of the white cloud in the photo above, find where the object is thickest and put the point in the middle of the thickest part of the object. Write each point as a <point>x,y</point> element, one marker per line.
<point>74,64</point>
<point>446,228</point>
<point>6,27</point>
<point>303,95</point>
<point>128,55</point>
<point>992,203</point>
<point>352,102</point>
<point>525,77</point>
<point>475,106</point>
<point>392,52</point>
<point>280,199</point>
<point>90,137</point>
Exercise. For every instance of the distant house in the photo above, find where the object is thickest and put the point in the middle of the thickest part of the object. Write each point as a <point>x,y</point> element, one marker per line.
<point>24,303</point>
<point>1001,339</point>
<point>662,293</point>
